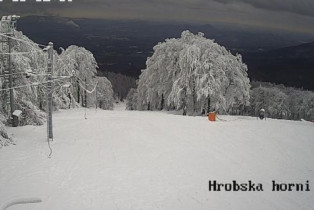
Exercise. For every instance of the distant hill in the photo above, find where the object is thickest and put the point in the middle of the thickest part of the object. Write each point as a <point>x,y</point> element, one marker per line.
<point>292,66</point>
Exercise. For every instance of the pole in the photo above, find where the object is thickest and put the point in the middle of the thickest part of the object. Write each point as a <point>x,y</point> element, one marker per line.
<point>12,107</point>
<point>5,29</point>
<point>96,99</point>
<point>85,93</point>
<point>78,91</point>
<point>49,92</point>
<point>5,72</point>
<point>85,98</point>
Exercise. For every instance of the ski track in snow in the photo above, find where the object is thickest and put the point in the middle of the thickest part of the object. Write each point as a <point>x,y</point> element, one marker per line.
<point>155,160</point>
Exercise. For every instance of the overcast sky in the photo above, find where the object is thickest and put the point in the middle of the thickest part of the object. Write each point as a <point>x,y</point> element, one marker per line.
<point>288,15</point>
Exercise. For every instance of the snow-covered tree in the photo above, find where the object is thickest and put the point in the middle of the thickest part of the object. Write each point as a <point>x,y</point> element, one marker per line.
<point>80,62</point>
<point>301,104</point>
<point>74,75</point>
<point>273,100</point>
<point>131,99</point>
<point>282,102</point>
<point>195,73</point>
<point>104,94</point>
<point>121,84</point>
<point>28,57</point>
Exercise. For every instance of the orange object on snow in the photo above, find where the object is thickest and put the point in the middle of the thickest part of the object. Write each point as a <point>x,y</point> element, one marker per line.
<point>212,116</point>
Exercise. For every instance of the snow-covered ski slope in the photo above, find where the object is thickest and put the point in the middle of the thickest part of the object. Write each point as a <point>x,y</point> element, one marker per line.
<point>154,160</point>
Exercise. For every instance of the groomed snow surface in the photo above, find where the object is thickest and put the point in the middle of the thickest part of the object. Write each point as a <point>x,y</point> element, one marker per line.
<point>130,160</point>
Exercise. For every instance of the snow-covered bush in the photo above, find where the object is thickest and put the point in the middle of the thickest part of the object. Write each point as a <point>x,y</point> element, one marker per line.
<point>195,73</point>
<point>31,114</point>
<point>5,140</point>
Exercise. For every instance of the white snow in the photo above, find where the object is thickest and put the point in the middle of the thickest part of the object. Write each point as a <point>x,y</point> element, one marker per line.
<point>17,113</point>
<point>155,160</point>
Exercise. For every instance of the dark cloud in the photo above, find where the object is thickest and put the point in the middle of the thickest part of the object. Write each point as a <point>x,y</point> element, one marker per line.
<point>31,7</point>
<point>302,7</point>
<point>291,15</point>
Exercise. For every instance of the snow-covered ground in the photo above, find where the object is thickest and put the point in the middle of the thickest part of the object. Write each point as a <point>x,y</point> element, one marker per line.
<point>154,160</point>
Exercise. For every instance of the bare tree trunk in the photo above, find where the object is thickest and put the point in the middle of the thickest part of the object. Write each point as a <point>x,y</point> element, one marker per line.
<point>162,102</point>
<point>208,104</point>
<point>78,91</point>
<point>194,96</point>
<point>184,102</point>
